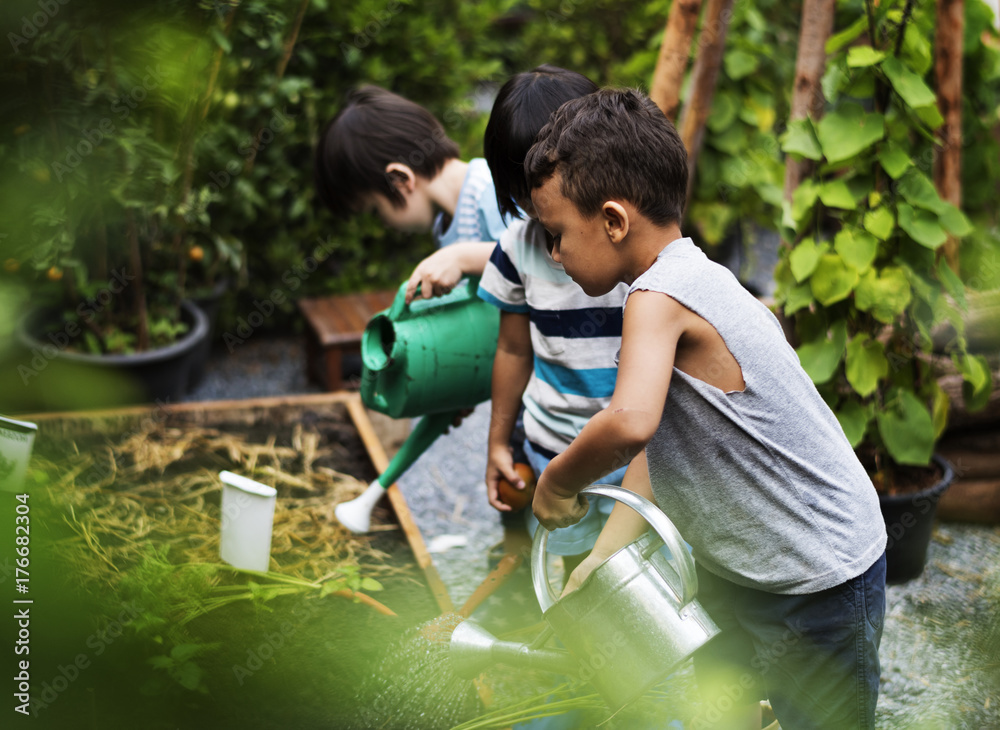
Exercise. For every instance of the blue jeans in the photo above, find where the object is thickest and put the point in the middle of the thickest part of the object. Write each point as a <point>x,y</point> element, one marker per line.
<point>814,656</point>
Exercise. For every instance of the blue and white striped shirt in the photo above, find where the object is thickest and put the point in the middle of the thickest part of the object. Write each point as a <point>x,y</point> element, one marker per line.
<point>574,336</point>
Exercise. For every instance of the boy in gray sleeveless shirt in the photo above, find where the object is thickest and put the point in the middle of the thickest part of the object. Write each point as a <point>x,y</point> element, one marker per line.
<point>721,424</point>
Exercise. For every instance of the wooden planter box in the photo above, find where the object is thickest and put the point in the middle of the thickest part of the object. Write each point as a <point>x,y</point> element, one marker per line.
<point>277,411</point>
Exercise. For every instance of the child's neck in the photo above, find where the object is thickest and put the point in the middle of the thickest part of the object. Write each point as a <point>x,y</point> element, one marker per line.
<point>648,242</point>
<point>445,187</point>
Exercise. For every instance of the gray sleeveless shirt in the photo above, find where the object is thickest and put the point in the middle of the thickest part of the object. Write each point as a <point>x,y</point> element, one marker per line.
<point>762,482</point>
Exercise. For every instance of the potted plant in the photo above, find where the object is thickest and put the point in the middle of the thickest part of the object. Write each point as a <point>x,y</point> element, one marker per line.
<point>106,109</point>
<point>864,281</point>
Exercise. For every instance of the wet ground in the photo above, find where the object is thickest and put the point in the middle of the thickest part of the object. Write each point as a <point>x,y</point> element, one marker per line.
<point>941,642</point>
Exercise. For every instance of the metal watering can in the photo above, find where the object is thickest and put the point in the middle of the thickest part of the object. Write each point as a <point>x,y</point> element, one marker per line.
<point>626,627</point>
<point>431,358</point>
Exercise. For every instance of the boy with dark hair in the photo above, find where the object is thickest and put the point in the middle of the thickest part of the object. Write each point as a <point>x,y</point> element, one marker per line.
<point>556,344</point>
<point>385,153</point>
<point>723,426</point>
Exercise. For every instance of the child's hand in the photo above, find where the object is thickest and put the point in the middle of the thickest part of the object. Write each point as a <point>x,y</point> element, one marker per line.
<point>501,466</point>
<point>584,569</point>
<point>435,275</point>
<point>554,509</point>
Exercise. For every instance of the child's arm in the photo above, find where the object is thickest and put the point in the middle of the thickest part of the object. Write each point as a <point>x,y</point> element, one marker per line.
<point>512,367</point>
<point>442,270</point>
<point>623,526</point>
<point>652,327</point>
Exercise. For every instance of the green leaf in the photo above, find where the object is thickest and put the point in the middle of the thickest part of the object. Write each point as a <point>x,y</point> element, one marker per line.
<point>917,190</point>
<point>940,407</point>
<point>857,248</point>
<point>977,384</point>
<point>910,87</point>
<point>740,64</point>
<point>725,107</point>
<point>805,257</point>
<point>188,675</point>
<point>854,418</point>
<point>836,194</point>
<point>798,297</point>
<point>833,81</point>
<point>866,364</point>
<point>894,161</point>
<point>885,295</point>
<point>220,39</point>
<point>160,661</point>
<point>907,430</point>
<point>821,357</point>
<point>849,130</point>
<point>712,220</point>
<point>880,223</point>
<point>847,36</point>
<point>954,220</point>
<point>952,283</point>
<point>803,199</point>
<point>800,139</point>
<point>370,584</point>
<point>930,115</point>
<point>922,226</point>
<point>833,280</point>
<point>183,652</point>
<point>861,56</point>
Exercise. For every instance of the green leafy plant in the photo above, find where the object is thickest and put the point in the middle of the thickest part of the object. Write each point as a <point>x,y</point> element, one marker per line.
<point>105,109</point>
<point>865,282</point>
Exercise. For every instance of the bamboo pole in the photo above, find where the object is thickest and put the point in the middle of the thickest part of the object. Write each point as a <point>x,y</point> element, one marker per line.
<point>948,42</point>
<point>810,64</point>
<point>711,45</point>
<point>674,54</point>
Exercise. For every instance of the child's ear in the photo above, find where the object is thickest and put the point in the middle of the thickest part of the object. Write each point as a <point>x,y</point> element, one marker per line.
<point>402,176</point>
<point>616,222</point>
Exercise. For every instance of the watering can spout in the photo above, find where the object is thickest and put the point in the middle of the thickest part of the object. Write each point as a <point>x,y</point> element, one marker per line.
<point>473,649</point>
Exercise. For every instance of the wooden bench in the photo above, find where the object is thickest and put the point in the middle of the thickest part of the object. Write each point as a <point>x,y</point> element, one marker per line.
<point>334,326</point>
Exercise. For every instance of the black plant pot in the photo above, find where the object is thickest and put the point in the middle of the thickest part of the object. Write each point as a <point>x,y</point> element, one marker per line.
<point>909,519</point>
<point>209,303</point>
<point>162,374</point>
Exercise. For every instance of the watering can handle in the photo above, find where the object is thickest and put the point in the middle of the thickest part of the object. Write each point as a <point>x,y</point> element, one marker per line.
<point>649,512</point>
<point>470,284</point>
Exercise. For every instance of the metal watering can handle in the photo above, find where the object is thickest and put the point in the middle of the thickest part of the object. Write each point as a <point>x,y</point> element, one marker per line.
<point>649,512</point>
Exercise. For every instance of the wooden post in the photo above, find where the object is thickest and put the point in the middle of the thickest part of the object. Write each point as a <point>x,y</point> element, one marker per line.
<point>674,53</point>
<point>810,65</point>
<point>948,42</point>
<point>711,45</point>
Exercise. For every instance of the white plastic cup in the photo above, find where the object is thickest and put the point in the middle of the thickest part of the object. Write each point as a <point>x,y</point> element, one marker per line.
<point>16,441</point>
<point>247,522</point>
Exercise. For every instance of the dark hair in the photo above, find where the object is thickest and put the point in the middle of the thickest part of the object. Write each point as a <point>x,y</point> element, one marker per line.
<point>375,128</point>
<point>522,107</point>
<point>613,144</point>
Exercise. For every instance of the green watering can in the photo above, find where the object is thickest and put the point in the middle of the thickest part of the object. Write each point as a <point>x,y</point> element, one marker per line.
<point>431,358</point>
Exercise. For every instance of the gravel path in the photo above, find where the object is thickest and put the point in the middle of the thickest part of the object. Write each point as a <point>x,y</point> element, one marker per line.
<point>941,644</point>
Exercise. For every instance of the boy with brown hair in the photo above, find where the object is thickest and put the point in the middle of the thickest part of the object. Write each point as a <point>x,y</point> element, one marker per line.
<point>385,153</point>
<point>723,427</point>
